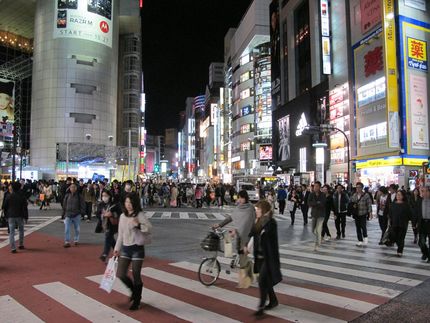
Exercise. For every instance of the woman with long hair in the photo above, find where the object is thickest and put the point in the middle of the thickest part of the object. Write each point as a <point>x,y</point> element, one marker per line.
<point>132,230</point>
<point>266,255</point>
<point>108,214</point>
<point>400,214</point>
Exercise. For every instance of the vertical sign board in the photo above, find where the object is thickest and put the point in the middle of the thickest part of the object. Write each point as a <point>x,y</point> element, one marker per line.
<point>415,36</point>
<point>325,36</point>
<point>389,33</point>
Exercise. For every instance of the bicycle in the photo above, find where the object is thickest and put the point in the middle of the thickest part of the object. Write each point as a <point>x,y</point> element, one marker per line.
<point>210,267</point>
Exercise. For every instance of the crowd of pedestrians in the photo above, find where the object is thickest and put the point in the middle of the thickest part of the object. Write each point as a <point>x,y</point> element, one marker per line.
<point>395,209</point>
<point>118,210</point>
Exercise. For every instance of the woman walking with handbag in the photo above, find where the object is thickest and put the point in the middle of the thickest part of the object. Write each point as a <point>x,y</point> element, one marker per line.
<point>108,214</point>
<point>266,255</point>
<point>134,232</point>
<point>400,214</point>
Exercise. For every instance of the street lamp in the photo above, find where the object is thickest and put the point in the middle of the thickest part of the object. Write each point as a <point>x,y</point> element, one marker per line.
<point>310,130</point>
<point>329,127</point>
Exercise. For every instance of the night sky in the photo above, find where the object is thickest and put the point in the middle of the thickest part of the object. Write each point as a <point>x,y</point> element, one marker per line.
<point>180,39</point>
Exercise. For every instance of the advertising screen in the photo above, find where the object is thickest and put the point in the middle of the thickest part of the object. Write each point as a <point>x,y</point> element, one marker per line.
<point>84,19</point>
<point>265,152</point>
<point>7,96</point>
<point>284,138</point>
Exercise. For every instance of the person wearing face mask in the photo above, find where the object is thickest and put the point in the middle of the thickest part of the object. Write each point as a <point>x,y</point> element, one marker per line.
<point>127,190</point>
<point>108,212</point>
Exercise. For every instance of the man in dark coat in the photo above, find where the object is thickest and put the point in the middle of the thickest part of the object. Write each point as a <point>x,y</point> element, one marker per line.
<point>340,206</point>
<point>16,211</point>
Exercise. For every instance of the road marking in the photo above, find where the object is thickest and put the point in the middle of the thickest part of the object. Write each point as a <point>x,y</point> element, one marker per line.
<point>13,312</point>
<point>365,252</point>
<point>170,305</point>
<point>335,282</point>
<point>31,230</point>
<point>353,272</point>
<point>343,260</point>
<point>300,292</point>
<point>246,301</point>
<point>85,306</point>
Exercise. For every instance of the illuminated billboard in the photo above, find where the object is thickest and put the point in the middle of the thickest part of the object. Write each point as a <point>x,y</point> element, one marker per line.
<point>7,95</point>
<point>265,152</point>
<point>84,19</point>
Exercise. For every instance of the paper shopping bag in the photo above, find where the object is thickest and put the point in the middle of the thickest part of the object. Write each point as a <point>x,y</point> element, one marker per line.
<point>228,248</point>
<point>109,276</point>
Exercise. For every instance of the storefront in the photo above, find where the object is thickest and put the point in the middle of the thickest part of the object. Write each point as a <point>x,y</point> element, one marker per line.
<point>401,170</point>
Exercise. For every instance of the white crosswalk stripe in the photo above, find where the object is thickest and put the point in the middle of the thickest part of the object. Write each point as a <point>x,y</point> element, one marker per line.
<point>13,312</point>
<point>85,306</point>
<point>170,305</point>
<point>208,215</point>
<point>336,282</point>
<point>283,311</point>
<point>34,223</point>
<point>291,290</point>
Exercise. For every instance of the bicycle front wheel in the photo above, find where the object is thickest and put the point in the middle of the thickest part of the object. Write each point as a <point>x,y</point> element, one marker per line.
<point>209,271</point>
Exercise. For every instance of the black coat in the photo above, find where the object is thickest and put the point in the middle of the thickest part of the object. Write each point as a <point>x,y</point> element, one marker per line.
<point>15,206</point>
<point>344,200</point>
<point>266,241</point>
<point>400,214</point>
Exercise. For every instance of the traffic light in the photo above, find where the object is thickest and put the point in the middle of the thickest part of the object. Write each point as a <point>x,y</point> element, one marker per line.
<point>156,168</point>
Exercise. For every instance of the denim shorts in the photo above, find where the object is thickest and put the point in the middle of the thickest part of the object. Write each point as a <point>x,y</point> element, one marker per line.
<point>133,252</point>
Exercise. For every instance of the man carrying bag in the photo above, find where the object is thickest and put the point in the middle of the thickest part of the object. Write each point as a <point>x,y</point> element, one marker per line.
<point>360,208</point>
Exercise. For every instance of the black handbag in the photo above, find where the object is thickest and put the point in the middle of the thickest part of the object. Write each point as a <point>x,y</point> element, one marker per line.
<point>99,227</point>
<point>387,237</point>
<point>353,208</point>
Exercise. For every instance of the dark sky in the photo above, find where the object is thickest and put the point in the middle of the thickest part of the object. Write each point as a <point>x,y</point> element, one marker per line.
<point>180,39</point>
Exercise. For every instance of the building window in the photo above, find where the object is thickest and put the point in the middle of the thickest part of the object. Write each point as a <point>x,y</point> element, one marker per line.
<point>131,63</point>
<point>303,48</point>
<point>131,82</point>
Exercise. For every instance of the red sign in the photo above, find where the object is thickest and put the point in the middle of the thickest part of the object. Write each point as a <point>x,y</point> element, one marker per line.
<point>370,14</point>
<point>104,27</point>
<point>373,61</point>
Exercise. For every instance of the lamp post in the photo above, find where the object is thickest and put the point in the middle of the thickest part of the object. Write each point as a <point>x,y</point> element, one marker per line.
<point>329,127</point>
<point>309,130</point>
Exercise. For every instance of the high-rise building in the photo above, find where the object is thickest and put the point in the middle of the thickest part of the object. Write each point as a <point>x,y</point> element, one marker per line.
<point>86,95</point>
<point>247,55</point>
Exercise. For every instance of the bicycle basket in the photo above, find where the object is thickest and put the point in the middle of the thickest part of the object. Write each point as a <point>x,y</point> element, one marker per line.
<point>211,242</point>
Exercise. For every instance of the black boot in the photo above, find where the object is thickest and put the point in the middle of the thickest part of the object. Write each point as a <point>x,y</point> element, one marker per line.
<point>137,296</point>
<point>127,282</point>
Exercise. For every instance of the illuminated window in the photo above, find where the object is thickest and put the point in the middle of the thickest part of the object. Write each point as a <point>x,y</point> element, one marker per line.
<point>245,128</point>
<point>245,146</point>
<point>245,59</point>
<point>245,77</point>
<point>303,160</point>
<point>245,94</point>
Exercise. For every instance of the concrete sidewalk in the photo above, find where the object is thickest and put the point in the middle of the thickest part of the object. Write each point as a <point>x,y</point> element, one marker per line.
<point>411,306</point>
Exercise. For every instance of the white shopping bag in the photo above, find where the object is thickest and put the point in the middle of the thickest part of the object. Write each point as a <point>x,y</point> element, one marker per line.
<point>109,276</point>
<point>228,248</point>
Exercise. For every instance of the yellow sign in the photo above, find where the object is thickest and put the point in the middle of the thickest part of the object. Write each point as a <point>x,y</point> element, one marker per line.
<point>414,161</point>
<point>389,31</point>
<point>380,162</point>
<point>417,49</point>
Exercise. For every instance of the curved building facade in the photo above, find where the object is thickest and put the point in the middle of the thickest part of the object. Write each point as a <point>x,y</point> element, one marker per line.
<point>75,76</point>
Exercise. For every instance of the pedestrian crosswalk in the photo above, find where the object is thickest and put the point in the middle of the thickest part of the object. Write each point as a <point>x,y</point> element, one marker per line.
<point>338,283</point>
<point>35,222</point>
<point>208,215</point>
